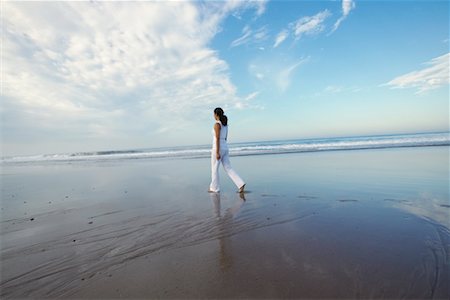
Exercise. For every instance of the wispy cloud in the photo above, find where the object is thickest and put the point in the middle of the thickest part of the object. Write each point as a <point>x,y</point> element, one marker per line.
<point>275,74</point>
<point>237,7</point>
<point>313,25</point>
<point>307,25</point>
<point>112,69</point>
<point>337,89</point>
<point>246,35</point>
<point>347,6</point>
<point>250,36</point>
<point>246,101</point>
<point>281,37</point>
<point>310,25</point>
<point>261,6</point>
<point>431,77</point>
<point>284,77</point>
<point>258,70</point>
<point>251,96</point>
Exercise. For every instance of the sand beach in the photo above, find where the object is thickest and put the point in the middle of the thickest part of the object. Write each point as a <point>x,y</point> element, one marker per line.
<point>336,224</point>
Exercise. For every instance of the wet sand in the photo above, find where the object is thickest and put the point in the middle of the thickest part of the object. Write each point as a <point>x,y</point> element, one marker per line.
<point>340,224</point>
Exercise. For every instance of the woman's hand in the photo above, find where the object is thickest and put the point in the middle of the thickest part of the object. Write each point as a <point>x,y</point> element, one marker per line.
<point>218,156</point>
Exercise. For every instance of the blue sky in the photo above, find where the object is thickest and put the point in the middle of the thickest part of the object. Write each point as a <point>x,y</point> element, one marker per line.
<point>85,76</point>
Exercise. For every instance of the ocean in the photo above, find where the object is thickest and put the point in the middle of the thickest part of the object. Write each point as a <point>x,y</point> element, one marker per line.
<point>343,223</point>
<point>249,148</point>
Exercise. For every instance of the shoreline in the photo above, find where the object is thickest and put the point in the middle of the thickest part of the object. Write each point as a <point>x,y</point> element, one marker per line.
<point>149,159</point>
<point>246,149</point>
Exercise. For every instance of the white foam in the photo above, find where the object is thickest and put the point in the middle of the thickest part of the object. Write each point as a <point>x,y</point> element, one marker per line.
<point>249,148</point>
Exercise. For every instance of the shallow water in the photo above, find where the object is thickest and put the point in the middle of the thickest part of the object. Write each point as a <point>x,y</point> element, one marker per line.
<point>363,223</point>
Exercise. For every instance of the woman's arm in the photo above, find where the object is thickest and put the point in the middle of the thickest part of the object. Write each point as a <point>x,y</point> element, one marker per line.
<point>217,132</point>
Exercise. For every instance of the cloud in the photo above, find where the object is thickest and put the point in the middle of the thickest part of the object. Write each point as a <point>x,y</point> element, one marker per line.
<point>259,70</point>
<point>337,89</point>
<point>260,6</point>
<point>274,74</point>
<point>431,77</point>
<point>237,7</point>
<point>281,37</point>
<point>333,89</point>
<point>251,96</point>
<point>284,77</point>
<point>111,70</point>
<point>245,103</point>
<point>248,36</point>
<point>347,6</point>
<point>310,25</point>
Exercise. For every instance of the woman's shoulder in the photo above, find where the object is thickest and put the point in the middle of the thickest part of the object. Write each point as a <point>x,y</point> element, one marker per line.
<point>220,123</point>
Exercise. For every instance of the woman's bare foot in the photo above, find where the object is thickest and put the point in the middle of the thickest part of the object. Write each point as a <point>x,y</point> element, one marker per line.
<point>241,189</point>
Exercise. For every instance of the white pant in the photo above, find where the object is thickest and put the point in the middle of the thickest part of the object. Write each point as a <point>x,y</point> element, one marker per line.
<point>224,158</point>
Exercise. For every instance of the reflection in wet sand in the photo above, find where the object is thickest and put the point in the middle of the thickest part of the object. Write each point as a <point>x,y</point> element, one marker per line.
<point>224,224</point>
<point>425,205</point>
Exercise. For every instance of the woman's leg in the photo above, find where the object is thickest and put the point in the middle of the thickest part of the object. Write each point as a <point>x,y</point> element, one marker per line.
<point>232,173</point>
<point>215,185</point>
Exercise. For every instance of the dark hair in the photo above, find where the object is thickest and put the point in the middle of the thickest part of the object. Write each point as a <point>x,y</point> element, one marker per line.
<point>223,119</point>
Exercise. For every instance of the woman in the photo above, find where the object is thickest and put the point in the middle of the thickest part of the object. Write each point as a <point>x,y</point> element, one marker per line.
<point>219,154</point>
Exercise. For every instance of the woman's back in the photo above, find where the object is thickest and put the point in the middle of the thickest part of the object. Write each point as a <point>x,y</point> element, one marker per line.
<point>223,133</point>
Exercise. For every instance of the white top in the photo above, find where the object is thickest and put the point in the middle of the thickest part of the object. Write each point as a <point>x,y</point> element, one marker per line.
<point>223,133</point>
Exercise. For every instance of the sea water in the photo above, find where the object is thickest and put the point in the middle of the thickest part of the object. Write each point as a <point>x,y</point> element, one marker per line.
<point>248,148</point>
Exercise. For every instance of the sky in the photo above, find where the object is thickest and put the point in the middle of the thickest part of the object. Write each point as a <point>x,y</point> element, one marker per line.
<point>91,76</point>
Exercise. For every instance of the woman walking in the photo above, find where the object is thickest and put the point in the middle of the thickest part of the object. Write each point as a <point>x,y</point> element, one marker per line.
<point>219,154</point>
